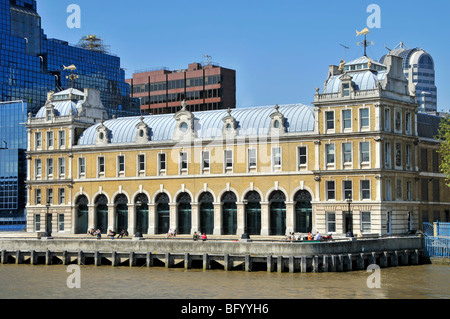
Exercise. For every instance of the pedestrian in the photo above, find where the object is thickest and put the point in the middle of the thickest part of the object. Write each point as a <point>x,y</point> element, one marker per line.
<point>195,237</point>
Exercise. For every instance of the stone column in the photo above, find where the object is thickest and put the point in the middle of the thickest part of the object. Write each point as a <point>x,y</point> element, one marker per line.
<point>265,218</point>
<point>92,217</point>
<point>151,219</point>
<point>290,217</point>
<point>132,219</point>
<point>111,217</point>
<point>195,217</point>
<point>240,219</point>
<point>218,220</point>
<point>173,215</point>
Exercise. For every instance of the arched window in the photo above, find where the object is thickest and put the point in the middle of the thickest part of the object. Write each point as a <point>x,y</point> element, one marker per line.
<point>277,202</point>
<point>121,205</point>
<point>142,213</point>
<point>253,213</point>
<point>101,213</point>
<point>303,212</point>
<point>82,214</point>
<point>206,213</point>
<point>229,213</point>
<point>162,213</point>
<point>184,214</point>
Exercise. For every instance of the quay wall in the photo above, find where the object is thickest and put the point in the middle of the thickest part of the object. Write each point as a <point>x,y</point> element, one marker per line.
<point>216,247</point>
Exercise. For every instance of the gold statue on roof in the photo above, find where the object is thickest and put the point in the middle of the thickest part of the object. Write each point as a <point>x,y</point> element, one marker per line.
<point>342,65</point>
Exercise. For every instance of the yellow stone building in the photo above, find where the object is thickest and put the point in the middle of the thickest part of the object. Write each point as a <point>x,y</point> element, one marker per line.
<point>360,159</point>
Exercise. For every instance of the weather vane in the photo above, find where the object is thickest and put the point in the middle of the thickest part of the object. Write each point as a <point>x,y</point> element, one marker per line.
<point>365,43</point>
<point>72,77</point>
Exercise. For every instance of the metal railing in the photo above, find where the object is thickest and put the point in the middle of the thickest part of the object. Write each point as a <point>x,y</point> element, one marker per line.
<point>437,239</point>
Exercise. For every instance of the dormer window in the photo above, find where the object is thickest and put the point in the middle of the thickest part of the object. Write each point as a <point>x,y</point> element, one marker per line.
<point>346,89</point>
<point>143,132</point>
<point>49,115</point>
<point>184,127</point>
<point>277,126</point>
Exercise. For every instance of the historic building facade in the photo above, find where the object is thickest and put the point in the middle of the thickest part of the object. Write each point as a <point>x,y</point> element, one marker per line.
<point>352,162</point>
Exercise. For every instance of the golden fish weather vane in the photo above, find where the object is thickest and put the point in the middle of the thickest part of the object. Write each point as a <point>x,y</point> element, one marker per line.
<point>365,43</point>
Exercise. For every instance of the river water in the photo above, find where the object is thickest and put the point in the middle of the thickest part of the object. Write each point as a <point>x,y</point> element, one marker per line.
<point>105,282</point>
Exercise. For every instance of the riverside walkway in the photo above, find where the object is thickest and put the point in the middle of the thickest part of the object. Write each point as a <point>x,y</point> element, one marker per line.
<point>222,252</point>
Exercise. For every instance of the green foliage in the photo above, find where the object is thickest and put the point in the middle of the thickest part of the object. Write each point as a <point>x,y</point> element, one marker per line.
<point>444,150</point>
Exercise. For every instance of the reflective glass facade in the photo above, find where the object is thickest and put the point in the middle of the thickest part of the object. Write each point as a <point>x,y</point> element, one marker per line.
<point>32,65</point>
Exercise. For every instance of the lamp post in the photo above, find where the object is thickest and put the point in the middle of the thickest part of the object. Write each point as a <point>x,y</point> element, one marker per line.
<point>349,221</point>
<point>48,231</point>
<point>245,236</point>
<point>138,233</point>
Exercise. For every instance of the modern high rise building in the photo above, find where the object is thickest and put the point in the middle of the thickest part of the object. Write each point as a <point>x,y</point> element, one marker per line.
<point>31,65</point>
<point>418,66</point>
<point>204,87</point>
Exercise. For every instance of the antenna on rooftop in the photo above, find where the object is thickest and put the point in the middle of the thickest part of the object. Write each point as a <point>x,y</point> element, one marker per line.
<point>345,48</point>
<point>208,59</point>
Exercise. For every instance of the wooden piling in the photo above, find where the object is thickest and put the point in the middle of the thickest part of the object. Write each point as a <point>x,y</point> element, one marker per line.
<point>248,263</point>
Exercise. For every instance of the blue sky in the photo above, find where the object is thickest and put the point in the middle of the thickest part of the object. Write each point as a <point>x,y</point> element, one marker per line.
<point>281,50</point>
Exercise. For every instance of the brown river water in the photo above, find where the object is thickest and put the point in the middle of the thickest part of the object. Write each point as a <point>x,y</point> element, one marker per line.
<point>105,282</point>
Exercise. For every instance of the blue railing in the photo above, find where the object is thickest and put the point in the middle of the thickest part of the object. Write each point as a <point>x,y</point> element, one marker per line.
<point>437,246</point>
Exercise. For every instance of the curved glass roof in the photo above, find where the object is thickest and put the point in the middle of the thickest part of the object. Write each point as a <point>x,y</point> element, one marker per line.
<point>209,124</point>
<point>62,108</point>
<point>364,80</point>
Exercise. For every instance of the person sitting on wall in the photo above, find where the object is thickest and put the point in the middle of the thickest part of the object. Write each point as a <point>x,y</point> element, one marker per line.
<point>98,233</point>
<point>195,237</point>
<point>317,236</point>
<point>111,234</point>
<point>123,232</point>
<point>91,232</point>
<point>204,237</point>
<point>310,236</point>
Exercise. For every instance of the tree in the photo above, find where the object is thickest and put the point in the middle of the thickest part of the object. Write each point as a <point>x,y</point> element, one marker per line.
<point>444,150</point>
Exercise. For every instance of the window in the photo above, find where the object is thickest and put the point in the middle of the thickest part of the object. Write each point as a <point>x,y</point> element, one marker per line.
<point>435,161</point>
<point>366,225</point>
<point>387,120</point>
<point>365,190</point>
<point>347,120</point>
<point>276,157</point>
<point>364,118</point>
<point>348,190</point>
<point>436,190</point>
<point>346,89</point>
<point>61,196</point>
<point>37,223</point>
<point>399,189</point>
<point>365,152</point>
<point>49,140</point>
<point>50,168</point>
<point>331,190</point>
<point>409,190</point>
<point>329,120</point>
<point>50,196</point>
<point>82,166</point>
<point>387,155</point>
<point>408,156</point>
<point>330,154</point>
<point>62,139</point>
<point>162,163</point>
<point>38,168</point>
<point>302,156</point>
<point>101,165</point>
<point>120,165</point>
<point>398,121</point>
<point>62,167</point>
<point>61,222</point>
<point>141,163</point>
<point>424,159</point>
<point>408,123</point>
<point>49,115</point>
<point>183,162</point>
<point>38,140</point>
<point>331,222</point>
<point>38,197</point>
<point>388,190</point>
<point>347,153</point>
<point>252,158</point>
<point>228,155</point>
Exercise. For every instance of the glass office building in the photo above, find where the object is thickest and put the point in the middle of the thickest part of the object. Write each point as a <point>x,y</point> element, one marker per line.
<point>32,65</point>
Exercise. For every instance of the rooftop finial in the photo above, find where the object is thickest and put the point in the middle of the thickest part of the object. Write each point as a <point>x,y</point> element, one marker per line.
<point>183,105</point>
<point>365,43</point>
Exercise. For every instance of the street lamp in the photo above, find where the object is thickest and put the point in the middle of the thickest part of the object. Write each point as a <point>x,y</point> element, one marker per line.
<point>138,233</point>
<point>48,231</point>
<point>349,220</point>
<point>245,236</point>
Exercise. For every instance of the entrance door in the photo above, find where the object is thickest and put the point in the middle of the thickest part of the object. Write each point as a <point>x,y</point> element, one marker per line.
<point>184,219</point>
<point>142,219</point>
<point>229,211</point>
<point>122,217</point>
<point>278,218</point>
<point>82,219</point>
<point>348,222</point>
